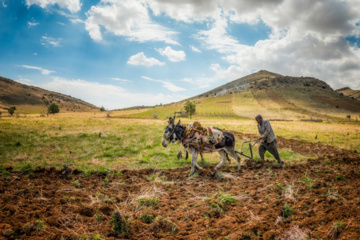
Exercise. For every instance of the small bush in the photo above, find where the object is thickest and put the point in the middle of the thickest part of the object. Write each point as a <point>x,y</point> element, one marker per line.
<point>147,218</point>
<point>287,211</point>
<point>53,108</point>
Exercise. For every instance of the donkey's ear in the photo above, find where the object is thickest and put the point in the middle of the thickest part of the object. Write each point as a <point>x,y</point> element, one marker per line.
<point>178,123</point>
<point>171,121</point>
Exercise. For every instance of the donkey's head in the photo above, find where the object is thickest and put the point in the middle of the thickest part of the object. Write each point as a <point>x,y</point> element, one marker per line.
<point>169,132</point>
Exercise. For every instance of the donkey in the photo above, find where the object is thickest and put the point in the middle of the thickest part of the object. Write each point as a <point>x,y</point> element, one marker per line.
<point>173,133</point>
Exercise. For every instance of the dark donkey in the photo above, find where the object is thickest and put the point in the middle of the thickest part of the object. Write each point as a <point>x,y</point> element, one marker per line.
<point>173,133</point>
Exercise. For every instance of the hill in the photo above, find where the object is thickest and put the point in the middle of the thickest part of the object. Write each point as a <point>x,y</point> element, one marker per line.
<point>273,95</point>
<point>30,99</point>
<point>354,94</point>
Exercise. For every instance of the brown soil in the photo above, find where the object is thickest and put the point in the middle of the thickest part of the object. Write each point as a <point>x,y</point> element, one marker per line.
<point>320,193</point>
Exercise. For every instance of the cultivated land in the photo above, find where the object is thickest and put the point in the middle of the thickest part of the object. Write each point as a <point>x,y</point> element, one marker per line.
<point>316,195</point>
<point>124,185</point>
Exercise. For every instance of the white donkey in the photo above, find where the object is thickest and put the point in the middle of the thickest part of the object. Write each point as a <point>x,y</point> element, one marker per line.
<point>173,133</point>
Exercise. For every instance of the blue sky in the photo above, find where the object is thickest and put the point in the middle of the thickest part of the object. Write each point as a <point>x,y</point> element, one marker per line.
<point>121,53</point>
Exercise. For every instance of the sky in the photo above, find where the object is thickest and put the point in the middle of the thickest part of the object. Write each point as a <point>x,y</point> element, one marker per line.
<point>123,53</point>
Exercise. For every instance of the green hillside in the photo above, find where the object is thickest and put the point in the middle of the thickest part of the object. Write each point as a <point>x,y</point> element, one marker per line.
<point>272,95</point>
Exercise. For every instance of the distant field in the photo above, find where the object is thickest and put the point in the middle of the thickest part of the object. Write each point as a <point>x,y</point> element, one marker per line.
<point>73,139</point>
<point>286,104</point>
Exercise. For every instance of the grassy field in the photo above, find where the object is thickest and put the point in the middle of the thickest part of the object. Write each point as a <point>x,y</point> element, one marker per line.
<point>73,139</point>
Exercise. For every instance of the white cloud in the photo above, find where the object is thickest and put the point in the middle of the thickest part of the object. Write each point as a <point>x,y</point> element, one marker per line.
<point>23,80</point>
<point>141,59</point>
<point>195,49</point>
<point>109,96</point>
<point>33,24</point>
<point>172,55</point>
<point>127,18</point>
<point>42,70</point>
<point>50,41</point>
<point>4,4</point>
<point>76,20</point>
<point>120,80</point>
<point>168,85</point>
<point>72,5</point>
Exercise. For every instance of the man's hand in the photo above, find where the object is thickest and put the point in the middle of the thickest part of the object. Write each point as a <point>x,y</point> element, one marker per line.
<point>262,137</point>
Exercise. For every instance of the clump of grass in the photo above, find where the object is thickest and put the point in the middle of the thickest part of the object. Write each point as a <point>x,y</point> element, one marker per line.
<point>308,182</point>
<point>147,218</point>
<point>109,200</point>
<point>75,184</point>
<point>39,225</point>
<point>27,167</point>
<point>279,186</point>
<point>224,176</point>
<point>336,228</point>
<point>119,224</point>
<point>105,183</point>
<point>150,202</point>
<point>99,217</point>
<point>287,211</point>
<point>226,198</point>
<point>5,172</point>
<point>216,207</point>
<point>340,178</point>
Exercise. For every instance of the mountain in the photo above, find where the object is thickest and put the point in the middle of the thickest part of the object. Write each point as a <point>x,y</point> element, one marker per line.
<point>273,95</point>
<point>346,91</point>
<point>30,99</point>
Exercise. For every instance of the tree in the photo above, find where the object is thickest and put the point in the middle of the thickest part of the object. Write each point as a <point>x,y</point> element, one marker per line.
<point>53,108</point>
<point>190,108</point>
<point>102,109</point>
<point>11,110</point>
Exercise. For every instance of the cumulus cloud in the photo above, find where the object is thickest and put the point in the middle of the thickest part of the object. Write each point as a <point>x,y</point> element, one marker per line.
<point>127,18</point>
<point>172,55</point>
<point>50,41</point>
<point>42,70</point>
<point>195,49</point>
<point>141,59</point>
<point>166,84</point>
<point>107,95</point>
<point>72,5</point>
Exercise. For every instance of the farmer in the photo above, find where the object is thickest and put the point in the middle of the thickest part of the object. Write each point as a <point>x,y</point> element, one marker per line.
<point>268,137</point>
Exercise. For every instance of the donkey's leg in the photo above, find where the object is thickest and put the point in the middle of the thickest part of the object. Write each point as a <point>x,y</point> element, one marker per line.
<point>187,155</point>
<point>194,155</point>
<point>202,157</point>
<point>223,158</point>
<point>231,152</point>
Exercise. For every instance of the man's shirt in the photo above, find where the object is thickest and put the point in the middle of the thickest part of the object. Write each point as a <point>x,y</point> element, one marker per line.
<point>266,131</point>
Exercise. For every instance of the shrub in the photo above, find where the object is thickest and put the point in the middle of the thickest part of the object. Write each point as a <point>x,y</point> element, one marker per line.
<point>102,109</point>
<point>53,108</point>
<point>11,110</point>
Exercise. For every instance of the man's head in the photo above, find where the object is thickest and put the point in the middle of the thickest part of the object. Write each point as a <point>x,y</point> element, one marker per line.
<point>258,118</point>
